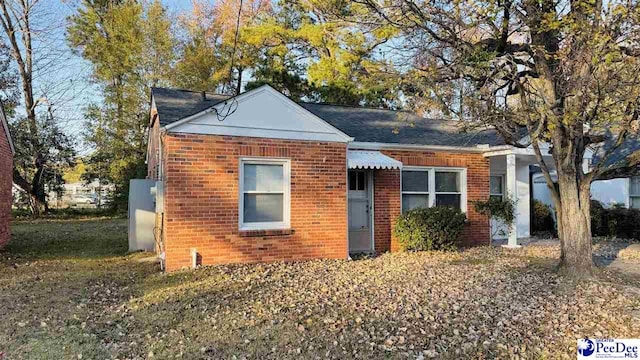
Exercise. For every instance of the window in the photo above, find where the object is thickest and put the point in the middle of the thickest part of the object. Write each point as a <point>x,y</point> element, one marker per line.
<point>356,180</point>
<point>634,193</point>
<point>264,194</point>
<point>448,191</point>
<point>415,189</point>
<point>496,187</point>
<point>425,187</point>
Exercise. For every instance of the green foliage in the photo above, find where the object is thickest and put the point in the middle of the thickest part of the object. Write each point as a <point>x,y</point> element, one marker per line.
<point>434,228</point>
<point>616,221</point>
<point>497,208</point>
<point>131,47</point>
<point>543,218</point>
<point>54,149</point>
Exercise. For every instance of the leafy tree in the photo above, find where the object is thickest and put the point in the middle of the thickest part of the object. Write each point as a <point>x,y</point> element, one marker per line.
<point>131,47</point>
<point>211,58</point>
<point>333,60</point>
<point>56,152</point>
<point>563,73</point>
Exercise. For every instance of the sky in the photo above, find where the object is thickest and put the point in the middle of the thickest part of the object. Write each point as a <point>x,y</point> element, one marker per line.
<point>69,87</point>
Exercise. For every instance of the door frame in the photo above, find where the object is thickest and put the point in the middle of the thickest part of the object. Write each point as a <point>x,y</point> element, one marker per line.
<point>370,197</point>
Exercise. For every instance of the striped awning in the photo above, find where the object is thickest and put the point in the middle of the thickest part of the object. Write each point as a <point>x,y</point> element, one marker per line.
<point>358,159</point>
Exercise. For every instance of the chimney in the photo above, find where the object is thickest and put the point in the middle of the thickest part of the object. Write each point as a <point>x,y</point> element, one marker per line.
<point>203,95</point>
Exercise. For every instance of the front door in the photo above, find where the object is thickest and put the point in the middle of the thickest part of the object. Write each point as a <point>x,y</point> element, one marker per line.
<point>359,211</point>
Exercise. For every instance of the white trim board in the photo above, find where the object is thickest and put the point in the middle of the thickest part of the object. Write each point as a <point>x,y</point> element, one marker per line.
<point>286,192</point>
<point>5,125</point>
<point>262,112</point>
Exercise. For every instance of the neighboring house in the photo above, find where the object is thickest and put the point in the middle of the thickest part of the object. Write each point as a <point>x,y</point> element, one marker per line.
<point>620,192</point>
<point>6,178</point>
<point>280,180</point>
<point>623,191</point>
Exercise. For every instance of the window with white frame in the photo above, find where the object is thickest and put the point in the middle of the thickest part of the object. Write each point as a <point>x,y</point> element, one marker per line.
<point>415,189</point>
<point>496,187</point>
<point>634,192</point>
<point>426,187</point>
<point>264,194</point>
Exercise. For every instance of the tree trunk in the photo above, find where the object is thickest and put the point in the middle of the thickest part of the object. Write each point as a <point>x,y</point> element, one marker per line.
<point>574,227</point>
<point>38,207</point>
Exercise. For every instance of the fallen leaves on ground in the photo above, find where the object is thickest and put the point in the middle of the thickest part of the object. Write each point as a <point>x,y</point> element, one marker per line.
<point>480,303</point>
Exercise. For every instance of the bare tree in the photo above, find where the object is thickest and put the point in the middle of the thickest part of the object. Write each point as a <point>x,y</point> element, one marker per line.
<point>43,144</point>
<point>556,72</point>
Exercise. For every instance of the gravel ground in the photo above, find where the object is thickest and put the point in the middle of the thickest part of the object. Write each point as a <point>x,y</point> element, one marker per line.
<point>481,303</point>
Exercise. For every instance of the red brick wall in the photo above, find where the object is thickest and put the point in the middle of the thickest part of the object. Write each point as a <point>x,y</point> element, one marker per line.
<point>386,208</point>
<point>6,180</point>
<point>201,200</point>
<point>387,200</point>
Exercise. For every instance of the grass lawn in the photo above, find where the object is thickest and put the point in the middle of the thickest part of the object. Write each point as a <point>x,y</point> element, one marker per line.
<point>69,290</point>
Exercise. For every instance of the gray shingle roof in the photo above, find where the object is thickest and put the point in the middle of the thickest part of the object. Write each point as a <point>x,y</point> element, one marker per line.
<point>173,104</point>
<point>363,124</point>
<point>399,127</point>
<point>621,156</point>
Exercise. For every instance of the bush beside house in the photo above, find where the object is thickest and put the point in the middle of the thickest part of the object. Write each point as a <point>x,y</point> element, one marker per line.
<point>435,228</point>
<point>543,220</point>
<point>617,221</point>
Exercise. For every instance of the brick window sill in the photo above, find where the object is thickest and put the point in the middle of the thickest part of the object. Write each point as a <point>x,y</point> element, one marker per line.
<point>273,232</point>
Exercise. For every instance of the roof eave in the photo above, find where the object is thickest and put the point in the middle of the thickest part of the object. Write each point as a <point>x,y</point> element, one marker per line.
<point>396,146</point>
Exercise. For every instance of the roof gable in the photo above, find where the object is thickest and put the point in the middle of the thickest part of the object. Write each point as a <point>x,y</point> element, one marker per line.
<point>261,112</point>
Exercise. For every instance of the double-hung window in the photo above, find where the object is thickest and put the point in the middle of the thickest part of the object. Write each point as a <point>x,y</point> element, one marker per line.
<point>634,192</point>
<point>415,189</point>
<point>426,187</point>
<point>496,187</point>
<point>265,188</point>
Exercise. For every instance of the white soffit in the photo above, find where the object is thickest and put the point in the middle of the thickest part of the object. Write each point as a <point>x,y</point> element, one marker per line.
<point>371,160</point>
<point>263,112</point>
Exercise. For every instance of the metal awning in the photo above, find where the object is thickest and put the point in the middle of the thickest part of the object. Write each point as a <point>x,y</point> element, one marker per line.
<point>358,159</point>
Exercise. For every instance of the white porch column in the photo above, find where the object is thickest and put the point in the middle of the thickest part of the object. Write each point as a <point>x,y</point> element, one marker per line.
<point>512,192</point>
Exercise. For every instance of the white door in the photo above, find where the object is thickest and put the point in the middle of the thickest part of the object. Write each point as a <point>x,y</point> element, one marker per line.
<point>359,211</point>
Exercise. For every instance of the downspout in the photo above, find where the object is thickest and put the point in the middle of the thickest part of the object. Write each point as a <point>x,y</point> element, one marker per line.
<point>160,216</point>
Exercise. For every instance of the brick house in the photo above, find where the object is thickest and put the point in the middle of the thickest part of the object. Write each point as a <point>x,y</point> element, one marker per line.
<point>259,177</point>
<point>6,178</point>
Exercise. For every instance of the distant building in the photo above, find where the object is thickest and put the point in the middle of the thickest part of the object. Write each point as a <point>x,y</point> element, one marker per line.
<point>81,195</point>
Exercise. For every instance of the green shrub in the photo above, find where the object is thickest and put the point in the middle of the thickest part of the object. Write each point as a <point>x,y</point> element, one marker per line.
<point>599,226</point>
<point>435,228</point>
<point>543,217</point>
<point>498,209</point>
<point>616,221</point>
